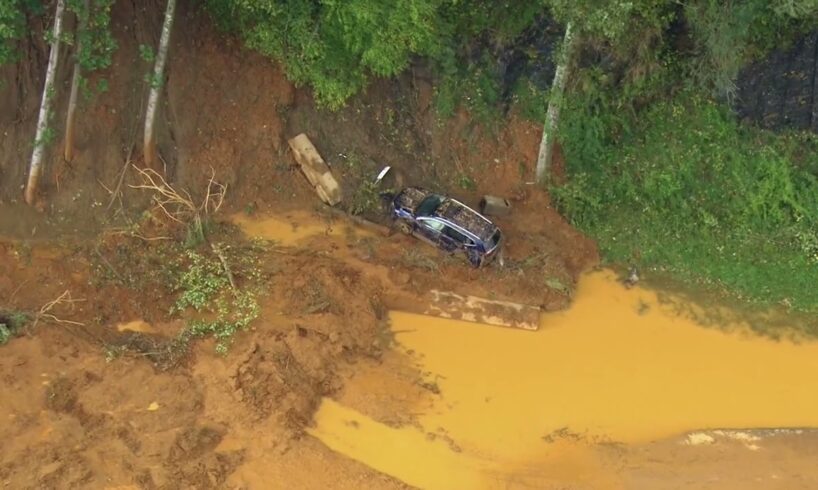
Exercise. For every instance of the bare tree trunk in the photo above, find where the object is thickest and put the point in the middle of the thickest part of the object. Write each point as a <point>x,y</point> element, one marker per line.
<point>35,168</point>
<point>149,147</point>
<point>552,118</point>
<point>75,83</point>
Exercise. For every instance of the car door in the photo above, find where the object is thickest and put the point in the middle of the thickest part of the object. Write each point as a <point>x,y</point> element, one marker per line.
<point>429,229</point>
<point>451,239</point>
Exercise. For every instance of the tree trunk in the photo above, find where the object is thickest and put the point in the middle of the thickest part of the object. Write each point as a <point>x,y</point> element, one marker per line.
<point>156,82</point>
<point>75,83</point>
<point>552,118</point>
<point>35,168</point>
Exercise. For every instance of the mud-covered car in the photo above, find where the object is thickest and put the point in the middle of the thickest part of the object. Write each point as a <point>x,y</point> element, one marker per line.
<point>446,223</point>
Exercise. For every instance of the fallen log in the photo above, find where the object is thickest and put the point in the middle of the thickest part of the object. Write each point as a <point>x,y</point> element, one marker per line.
<point>315,169</point>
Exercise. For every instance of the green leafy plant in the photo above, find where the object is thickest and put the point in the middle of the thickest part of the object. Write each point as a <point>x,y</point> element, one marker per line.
<point>366,197</point>
<point>334,46</point>
<point>11,324</point>
<point>95,40</point>
<point>12,27</point>
<point>146,53</point>
<point>206,285</point>
<point>466,183</point>
<point>232,315</point>
<point>200,283</point>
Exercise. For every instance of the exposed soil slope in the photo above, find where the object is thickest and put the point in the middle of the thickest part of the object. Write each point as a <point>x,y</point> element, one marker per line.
<point>108,403</point>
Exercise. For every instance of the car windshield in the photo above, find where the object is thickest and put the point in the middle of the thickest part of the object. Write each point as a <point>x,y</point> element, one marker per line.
<point>492,242</point>
<point>428,206</point>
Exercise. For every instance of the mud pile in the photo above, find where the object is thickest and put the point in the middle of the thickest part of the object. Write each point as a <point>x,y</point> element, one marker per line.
<point>81,412</point>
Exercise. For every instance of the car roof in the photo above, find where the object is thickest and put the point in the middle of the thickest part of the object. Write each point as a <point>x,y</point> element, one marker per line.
<point>467,218</point>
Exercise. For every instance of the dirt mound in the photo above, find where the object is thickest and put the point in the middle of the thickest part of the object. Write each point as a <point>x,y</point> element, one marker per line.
<point>113,401</point>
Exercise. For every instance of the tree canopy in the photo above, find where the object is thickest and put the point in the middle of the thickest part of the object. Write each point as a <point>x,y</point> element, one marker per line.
<point>337,46</point>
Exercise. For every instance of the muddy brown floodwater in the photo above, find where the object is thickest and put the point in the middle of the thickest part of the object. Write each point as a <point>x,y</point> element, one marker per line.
<point>619,368</point>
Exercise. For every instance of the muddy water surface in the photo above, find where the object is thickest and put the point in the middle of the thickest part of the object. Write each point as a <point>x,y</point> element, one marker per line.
<point>521,409</point>
<point>291,229</point>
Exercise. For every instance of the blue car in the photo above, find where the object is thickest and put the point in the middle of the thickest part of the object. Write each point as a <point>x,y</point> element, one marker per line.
<point>447,224</point>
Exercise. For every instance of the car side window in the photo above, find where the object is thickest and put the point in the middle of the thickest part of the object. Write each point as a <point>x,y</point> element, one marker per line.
<point>455,235</point>
<point>433,224</point>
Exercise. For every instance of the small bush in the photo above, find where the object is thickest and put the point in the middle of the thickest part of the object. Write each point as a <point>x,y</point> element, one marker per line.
<point>11,324</point>
<point>366,198</point>
<point>204,286</point>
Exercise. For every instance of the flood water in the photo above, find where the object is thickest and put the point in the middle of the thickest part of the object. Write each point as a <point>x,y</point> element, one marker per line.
<point>520,409</point>
<point>290,229</point>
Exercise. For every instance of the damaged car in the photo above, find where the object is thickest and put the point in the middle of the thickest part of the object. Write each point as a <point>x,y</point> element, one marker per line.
<point>447,224</point>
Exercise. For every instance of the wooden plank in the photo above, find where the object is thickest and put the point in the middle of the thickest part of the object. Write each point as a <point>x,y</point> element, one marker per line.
<point>315,169</point>
<point>480,310</point>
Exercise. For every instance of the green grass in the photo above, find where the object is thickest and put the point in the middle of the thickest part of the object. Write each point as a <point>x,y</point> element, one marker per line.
<point>688,190</point>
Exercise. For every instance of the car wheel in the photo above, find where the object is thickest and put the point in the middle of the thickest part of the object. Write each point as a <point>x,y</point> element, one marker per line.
<point>405,227</point>
<point>473,258</point>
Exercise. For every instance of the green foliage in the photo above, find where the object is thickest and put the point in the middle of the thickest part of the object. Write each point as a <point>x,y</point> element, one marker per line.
<point>11,323</point>
<point>334,46</point>
<point>632,52</point>
<point>532,102</point>
<point>202,280</point>
<point>12,27</point>
<point>476,86</point>
<point>795,9</point>
<point>366,197</point>
<point>614,21</point>
<point>337,46</point>
<point>219,310</point>
<point>685,189</point>
<point>232,315</point>
<point>153,80</point>
<point>146,53</point>
<point>96,42</point>
<point>466,183</point>
<point>470,19</point>
<point>47,137</point>
<point>728,34</point>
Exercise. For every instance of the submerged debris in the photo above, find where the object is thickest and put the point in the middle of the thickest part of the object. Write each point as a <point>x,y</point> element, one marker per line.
<point>633,277</point>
